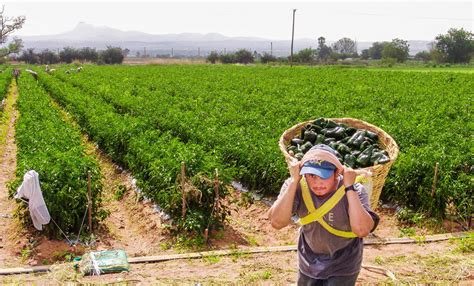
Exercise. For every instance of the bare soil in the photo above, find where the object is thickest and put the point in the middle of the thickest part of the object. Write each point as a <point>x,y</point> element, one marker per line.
<point>9,230</point>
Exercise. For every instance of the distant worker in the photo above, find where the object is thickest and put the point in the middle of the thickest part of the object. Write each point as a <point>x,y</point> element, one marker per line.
<point>334,212</point>
<point>33,73</point>
<point>16,74</point>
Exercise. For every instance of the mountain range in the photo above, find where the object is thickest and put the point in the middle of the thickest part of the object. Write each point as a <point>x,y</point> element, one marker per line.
<point>183,44</point>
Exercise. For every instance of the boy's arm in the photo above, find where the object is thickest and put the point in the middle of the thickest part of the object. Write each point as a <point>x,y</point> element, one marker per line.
<point>361,221</point>
<point>281,211</point>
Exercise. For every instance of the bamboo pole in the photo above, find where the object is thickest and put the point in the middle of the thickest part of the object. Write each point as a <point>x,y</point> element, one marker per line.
<point>183,191</point>
<point>435,180</point>
<point>253,250</point>
<point>206,234</point>
<point>89,199</point>
<point>215,205</point>
<point>216,188</point>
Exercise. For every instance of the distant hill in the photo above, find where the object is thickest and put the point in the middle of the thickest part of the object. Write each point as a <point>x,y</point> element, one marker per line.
<point>183,44</point>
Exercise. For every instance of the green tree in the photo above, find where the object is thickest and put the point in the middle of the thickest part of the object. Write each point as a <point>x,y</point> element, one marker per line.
<point>365,54</point>
<point>88,54</point>
<point>345,47</point>
<point>9,25</point>
<point>423,56</point>
<point>244,56</point>
<point>266,58</point>
<point>68,54</point>
<point>375,52</point>
<point>456,46</point>
<point>29,56</point>
<point>323,51</point>
<point>305,55</point>
<point>212,57</point>
<point>227,58</point>
<point>112,55</point>
<point>398,49</point>
<point>48,57</point>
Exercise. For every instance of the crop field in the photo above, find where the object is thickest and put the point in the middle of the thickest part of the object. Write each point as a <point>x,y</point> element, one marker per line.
<point>151,118</point>
<point>222,125</point>
<point>232,117</point>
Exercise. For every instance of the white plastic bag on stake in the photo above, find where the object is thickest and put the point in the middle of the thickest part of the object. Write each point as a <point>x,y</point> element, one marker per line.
<point>31,190</point>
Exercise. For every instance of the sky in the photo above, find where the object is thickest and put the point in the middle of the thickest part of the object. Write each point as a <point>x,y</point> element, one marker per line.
<point>364,21</point>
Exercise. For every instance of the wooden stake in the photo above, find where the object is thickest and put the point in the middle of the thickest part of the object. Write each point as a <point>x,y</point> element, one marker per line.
<point>183,191</point>
<point>216,188</point>
<point>89,199</point>
<point>435,180</point>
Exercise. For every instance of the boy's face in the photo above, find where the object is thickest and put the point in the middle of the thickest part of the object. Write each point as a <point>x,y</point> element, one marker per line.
<point>319,186</point>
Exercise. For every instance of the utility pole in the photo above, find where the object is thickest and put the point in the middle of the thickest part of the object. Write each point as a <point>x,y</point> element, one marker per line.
<point>199,52</point>
<point>172,52</point>
<point>271,48</point>
<point>144,52</point>
<point>355,43</point>
<point>292,38</point>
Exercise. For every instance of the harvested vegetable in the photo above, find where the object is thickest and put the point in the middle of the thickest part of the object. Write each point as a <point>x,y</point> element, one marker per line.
<point>356,148</point>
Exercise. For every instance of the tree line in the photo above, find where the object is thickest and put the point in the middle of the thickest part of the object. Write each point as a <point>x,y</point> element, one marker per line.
<point>456,46</point>
<point>111,55</point>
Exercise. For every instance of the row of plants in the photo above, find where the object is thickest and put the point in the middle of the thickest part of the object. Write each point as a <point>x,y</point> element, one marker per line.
<point>209,121</point>
<point>154,157</point>
<point>240,113</point>
<point>51,146</point>
<point>5,79</point>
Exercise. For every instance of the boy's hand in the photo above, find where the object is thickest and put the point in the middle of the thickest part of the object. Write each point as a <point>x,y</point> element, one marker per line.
<point>349,176</point>
<point>295,168</point>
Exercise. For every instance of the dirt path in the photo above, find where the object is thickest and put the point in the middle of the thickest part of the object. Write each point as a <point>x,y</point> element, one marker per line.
<point>7,173</point>
<point>132,224</point>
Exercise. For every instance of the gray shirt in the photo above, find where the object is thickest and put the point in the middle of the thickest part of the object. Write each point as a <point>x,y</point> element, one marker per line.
<point>321,254</point>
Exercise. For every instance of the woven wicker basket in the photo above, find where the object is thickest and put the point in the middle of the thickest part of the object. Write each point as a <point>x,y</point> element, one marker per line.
<point>379,172</point>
